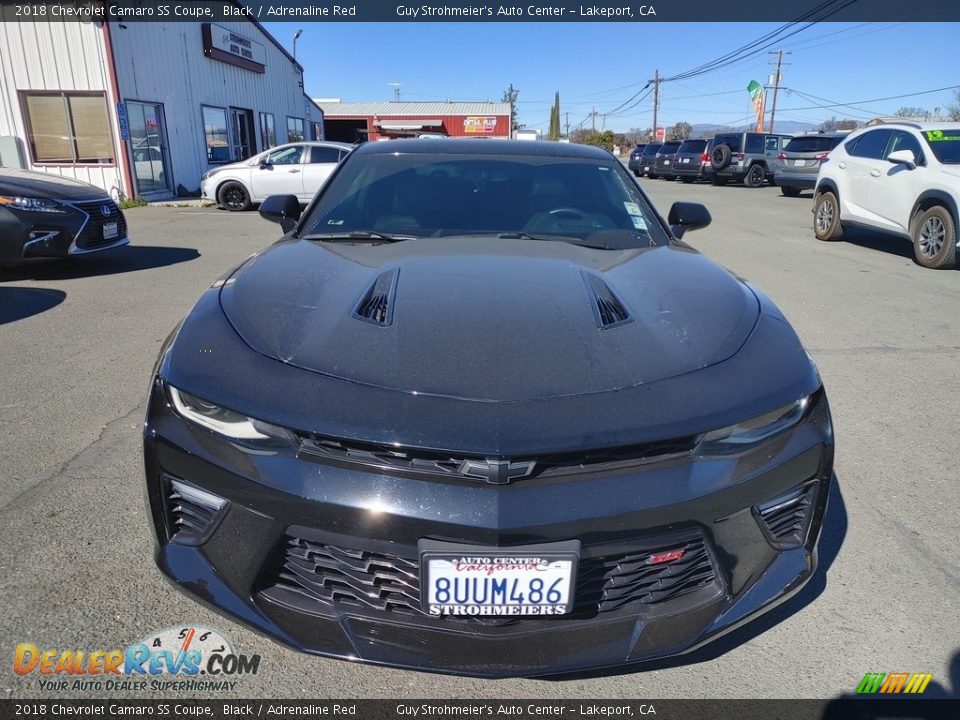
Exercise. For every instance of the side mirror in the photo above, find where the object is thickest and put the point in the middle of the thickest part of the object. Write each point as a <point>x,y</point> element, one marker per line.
<point>264,164</point>
<point>283,209</point>
<point>903,157</point>
<point>687,216</point>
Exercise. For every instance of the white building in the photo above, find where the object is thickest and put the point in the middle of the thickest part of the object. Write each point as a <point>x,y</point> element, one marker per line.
<point>145,108</point>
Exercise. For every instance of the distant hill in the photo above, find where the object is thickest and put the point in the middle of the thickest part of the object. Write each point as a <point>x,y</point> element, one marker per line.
<point>783,126</point>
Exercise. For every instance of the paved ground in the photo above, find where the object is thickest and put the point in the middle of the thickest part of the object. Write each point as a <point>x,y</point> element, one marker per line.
<point>77,346</point>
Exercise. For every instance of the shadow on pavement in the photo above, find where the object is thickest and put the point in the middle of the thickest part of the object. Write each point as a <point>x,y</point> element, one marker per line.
<point>110,262</point>
<point>831,539</point>
<point>17,303</point>
<point>891,244</point>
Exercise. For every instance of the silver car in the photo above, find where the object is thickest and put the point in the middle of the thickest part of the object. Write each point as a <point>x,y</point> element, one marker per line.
<point>801,159</point>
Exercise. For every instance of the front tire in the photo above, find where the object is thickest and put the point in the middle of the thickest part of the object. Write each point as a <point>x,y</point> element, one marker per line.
<point>233,196</point>
<point>636,173</point>
<point>790,191</point>
<point>755,176</point>
<point>826,216</point>
<point>935,238</point>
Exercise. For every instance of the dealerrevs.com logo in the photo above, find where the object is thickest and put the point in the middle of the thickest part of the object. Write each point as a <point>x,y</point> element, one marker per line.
<point>177,659</point>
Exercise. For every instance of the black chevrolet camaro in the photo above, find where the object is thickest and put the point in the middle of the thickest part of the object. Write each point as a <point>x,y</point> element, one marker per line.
<point>49,216</point>
<point>481,411</point>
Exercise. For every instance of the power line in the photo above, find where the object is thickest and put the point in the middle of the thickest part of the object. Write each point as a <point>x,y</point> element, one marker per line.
<point>867,102</point>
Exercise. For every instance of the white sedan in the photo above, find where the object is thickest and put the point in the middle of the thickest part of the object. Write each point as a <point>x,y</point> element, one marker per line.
<point>292,169</point>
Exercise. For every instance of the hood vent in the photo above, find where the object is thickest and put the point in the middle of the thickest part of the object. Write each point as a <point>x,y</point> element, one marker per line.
<point>607,307</point>
<point>376,305</point>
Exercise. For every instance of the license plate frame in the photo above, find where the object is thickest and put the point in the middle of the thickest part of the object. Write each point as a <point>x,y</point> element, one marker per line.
<point>799,162</point>
<point>111,230</point>
<point>557,561</point>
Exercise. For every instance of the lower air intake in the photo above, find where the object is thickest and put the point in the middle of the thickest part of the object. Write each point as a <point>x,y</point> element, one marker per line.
<point>785,519</point>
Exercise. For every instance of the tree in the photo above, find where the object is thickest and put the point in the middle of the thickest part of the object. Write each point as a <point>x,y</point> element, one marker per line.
<point>554,133</point>
<point>911,112</point>
<point>681,131</point>
<point>953,109</point>
<point>510,95</point>
<point>833,124</point>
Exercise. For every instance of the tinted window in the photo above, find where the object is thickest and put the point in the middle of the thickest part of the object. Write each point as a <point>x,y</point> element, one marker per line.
<point>812,143</point>
<point>773,144</point>
<point>945,145</point>
<point>754,143</point>
<point>422,194</point>
<point>905,141</point>
<point>693,146</point>
<point>286,156</point>
<point>669,148</point>
<point>324,154</point>
<point>734,141</point>
<point>651,149</point>
<point>869,145</point>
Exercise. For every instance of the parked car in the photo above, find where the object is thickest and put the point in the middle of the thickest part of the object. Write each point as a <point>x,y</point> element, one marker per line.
<point>748,156</point>
<point>900,178</point>
<point>633,164</point>
<point>647,159</point>
<point>690,160</point>
<point>295,168</point>
<point>50,216</point>
<point>663,162</point>
<point>365,451</point>
<point>800,161</point>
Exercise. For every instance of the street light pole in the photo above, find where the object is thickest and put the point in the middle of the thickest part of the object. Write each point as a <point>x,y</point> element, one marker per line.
<point>295,38</point>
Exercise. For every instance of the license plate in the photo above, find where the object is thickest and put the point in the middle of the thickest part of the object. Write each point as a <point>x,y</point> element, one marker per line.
<point>684,160</point>
<point>666,162</point>
<point>646,167</point>
<point>799,163</point>
<point>490,581</point>
<point>110,231</point>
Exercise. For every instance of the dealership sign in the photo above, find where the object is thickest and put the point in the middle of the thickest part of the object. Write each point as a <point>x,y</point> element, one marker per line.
<point>222,43</point>
<point>479,125</point>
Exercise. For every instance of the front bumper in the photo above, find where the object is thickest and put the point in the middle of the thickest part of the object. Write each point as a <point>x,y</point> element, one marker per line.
<point>323,557</point>
<point>77,230</point>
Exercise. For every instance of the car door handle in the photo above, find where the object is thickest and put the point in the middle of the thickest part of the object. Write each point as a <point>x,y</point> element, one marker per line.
<point>842,166</point>
<point>295,170</point>
<point>875,173</point>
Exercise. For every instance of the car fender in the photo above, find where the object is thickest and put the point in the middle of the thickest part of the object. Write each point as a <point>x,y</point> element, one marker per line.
<point>233,177</point>
<point>943,198</point>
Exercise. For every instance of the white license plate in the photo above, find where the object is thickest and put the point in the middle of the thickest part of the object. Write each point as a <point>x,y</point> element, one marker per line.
<point>646,167</point>
<point>468,580</point>
<point>799,163</point>
<point>110,231</point>
<point>684,160</point>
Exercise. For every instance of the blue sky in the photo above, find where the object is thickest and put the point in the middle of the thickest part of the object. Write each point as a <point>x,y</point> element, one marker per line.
<point>591,64</point>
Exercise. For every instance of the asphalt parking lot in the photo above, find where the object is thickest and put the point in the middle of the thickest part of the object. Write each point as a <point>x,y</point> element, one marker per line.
<point>77,344</point>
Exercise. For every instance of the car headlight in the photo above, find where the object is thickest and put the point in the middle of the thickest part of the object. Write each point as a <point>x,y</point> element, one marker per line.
<point>31,204</point>
<point>756,429</point>
<point>222,421</point>
<point>209,174</point>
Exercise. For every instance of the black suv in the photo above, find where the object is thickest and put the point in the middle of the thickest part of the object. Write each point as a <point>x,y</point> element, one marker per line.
<point>748,156</point>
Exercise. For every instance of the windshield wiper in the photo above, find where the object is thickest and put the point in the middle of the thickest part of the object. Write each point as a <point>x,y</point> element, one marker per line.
<point>357,236</point>
<point>560,238</point>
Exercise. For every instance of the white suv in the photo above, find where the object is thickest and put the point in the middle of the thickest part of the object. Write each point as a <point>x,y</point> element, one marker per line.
<point>902,178</point>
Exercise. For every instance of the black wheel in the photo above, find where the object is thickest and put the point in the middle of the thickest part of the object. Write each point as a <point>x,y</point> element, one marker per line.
<point>233,196</point>
<point>636,173</point>
<point>826,216</point>
<point>717,180</point>
<point>671,178</point>
<point>687,180</point>
<point>651,176</point>
<point>935,238</point>
<point>790,191</point>
<point>755,176</point>
<point>721,157</point>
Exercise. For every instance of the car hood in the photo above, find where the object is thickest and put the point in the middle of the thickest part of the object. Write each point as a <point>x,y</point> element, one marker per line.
<point>26,183</point>
<point>489,319</point>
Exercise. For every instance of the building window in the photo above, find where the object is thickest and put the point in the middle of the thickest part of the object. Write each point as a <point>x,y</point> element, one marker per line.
<point>317,130</point>
<point>295,129</point>
<point>70,128</point>
<point>268,133</point>
<point>215,134</point>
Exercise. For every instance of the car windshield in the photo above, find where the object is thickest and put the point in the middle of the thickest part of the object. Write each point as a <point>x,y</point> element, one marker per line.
<point>812,143</point>
<point>670,147</point>
<point>734,141</point>
<point>692,146</point>
<point>945,145</point>
<point>651,149</point>
<point>407,196</point>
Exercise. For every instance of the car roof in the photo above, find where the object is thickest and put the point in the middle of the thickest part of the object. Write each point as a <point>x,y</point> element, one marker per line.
<point>452,146</point>
<point>916,125</point>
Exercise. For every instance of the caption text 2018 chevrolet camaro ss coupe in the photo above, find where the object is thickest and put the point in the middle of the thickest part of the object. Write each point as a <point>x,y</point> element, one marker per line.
<point>481,411</point>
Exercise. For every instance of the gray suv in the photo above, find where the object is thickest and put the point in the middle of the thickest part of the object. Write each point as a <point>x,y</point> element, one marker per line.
<point>749,156</point>
<point>801,159</point>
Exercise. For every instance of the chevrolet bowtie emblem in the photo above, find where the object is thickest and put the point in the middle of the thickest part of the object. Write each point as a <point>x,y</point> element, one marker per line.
<point>498,472</point>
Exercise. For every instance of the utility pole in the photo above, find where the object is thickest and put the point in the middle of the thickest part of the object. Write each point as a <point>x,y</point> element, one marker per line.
<point>396,90</point>
<point>567,124</point>
<point>656,100</point>
<point>776,84</point>
<point>593,117</point>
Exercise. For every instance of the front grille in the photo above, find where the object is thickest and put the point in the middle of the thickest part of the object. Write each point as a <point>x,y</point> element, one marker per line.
<point>91,235</point>
<point>785,519</point>
<point>315,577</point>
<point>418,462</point>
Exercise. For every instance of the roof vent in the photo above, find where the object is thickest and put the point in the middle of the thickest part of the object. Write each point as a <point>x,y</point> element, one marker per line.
<point>608,309</point>
<point>376,305</point>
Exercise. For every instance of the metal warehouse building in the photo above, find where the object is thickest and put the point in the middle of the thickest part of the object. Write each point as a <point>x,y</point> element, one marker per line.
<point>145,108</point>
<point>360,121</point>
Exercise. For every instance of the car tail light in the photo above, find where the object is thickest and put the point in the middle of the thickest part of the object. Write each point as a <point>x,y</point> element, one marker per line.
<point>782,156</point>
<point>738,156</point>
<point>704,157</point>
<point>821,156</point>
